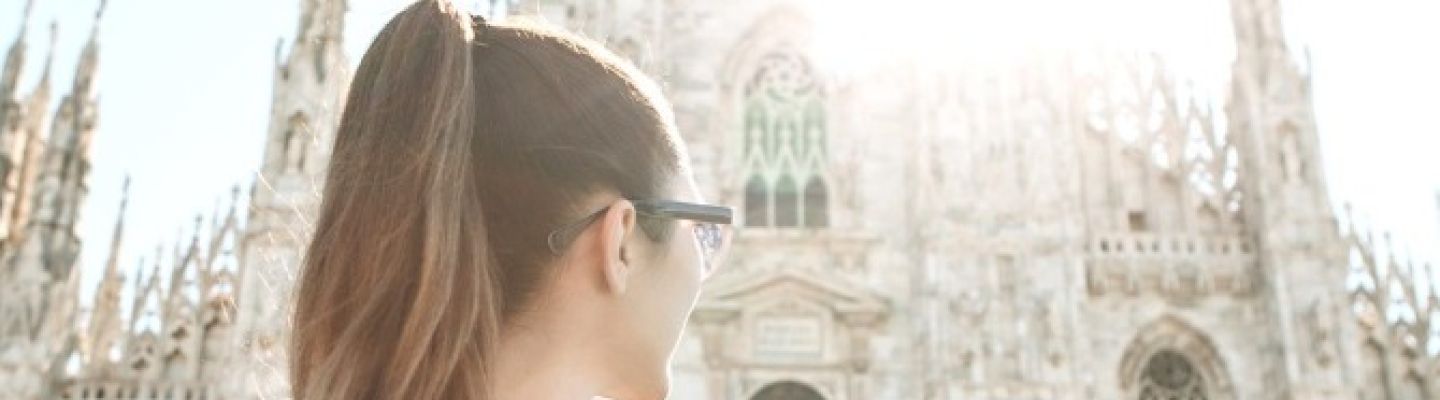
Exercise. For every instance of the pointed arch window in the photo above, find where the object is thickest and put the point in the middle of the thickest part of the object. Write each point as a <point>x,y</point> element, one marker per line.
<point>784,145</point>
<point>815,202</point>
<point>757,202</point>
<point>787,203</point>
<point>1170,376</point>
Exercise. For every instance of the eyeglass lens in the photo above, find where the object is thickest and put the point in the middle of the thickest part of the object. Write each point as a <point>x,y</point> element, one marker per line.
<point>710,238</point>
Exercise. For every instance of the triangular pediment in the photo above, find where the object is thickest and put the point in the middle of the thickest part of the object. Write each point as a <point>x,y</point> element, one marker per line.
<point>756,290</point>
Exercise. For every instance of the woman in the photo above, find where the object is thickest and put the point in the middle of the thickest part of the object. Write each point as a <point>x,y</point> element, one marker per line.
<point>509,214</point>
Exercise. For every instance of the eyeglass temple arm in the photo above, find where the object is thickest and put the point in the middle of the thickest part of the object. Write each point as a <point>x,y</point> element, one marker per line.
<point>691,211</point>
<point>559,237</point>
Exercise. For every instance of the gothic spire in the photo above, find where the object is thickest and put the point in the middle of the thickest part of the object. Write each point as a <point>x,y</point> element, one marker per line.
<point>234,202</point>
<point>89,59</point>
<point>1261,51</point>
<point>1257,25</point>
<point>215,218</point>
<point>177,272</point>
<point>40,98</point>
<point>141,306</point>
<point>137,293</point>
<point>15,58</point>
<point>317,44</point>
<point>113,261</point>
<point>322,19</point>
<point>104,327</point>
<point>60,182</point>
<point>195,258</point>
<point>25,19</point>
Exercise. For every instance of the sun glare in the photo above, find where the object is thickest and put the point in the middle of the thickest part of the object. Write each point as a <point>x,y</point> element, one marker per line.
<point>855,35</point>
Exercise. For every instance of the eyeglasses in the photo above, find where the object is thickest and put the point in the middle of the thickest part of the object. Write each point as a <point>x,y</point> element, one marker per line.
<point>711,226</point>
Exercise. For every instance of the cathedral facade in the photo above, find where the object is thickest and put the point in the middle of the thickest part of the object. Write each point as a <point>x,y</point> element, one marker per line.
<point>1077,227</point>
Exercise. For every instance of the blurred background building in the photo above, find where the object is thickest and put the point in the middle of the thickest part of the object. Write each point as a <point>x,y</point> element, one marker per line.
<point>1038,225</point>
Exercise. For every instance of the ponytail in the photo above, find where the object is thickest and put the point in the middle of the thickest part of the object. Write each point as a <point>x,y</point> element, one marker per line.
<point>414,313</point>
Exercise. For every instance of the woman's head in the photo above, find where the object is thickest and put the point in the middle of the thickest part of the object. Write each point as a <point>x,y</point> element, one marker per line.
<point>480,184</point>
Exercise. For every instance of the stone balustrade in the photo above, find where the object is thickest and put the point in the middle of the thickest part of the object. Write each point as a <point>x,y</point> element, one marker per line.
<point>121,389</point>
<point>1144,245</point>
<point>1181,268</point>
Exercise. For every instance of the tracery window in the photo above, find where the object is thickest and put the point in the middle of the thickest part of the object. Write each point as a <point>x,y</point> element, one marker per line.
<point>1170,376</point>
<point>784,145</point>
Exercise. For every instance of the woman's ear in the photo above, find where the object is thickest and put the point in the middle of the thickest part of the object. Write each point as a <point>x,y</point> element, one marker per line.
<point>616,226</point>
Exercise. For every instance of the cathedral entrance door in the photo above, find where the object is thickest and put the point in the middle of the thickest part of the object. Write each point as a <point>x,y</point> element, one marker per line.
<point>787,391</point>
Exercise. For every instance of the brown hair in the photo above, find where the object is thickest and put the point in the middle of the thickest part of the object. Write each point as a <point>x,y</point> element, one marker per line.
<point>461,146</point>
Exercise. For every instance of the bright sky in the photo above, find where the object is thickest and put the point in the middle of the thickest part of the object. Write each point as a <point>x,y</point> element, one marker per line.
<point>185,96</point>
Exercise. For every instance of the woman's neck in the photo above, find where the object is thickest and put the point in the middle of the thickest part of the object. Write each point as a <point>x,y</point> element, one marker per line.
<point>538,362</point>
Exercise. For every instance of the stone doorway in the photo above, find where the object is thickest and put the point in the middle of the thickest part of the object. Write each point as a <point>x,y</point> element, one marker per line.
<point>787,390</point>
